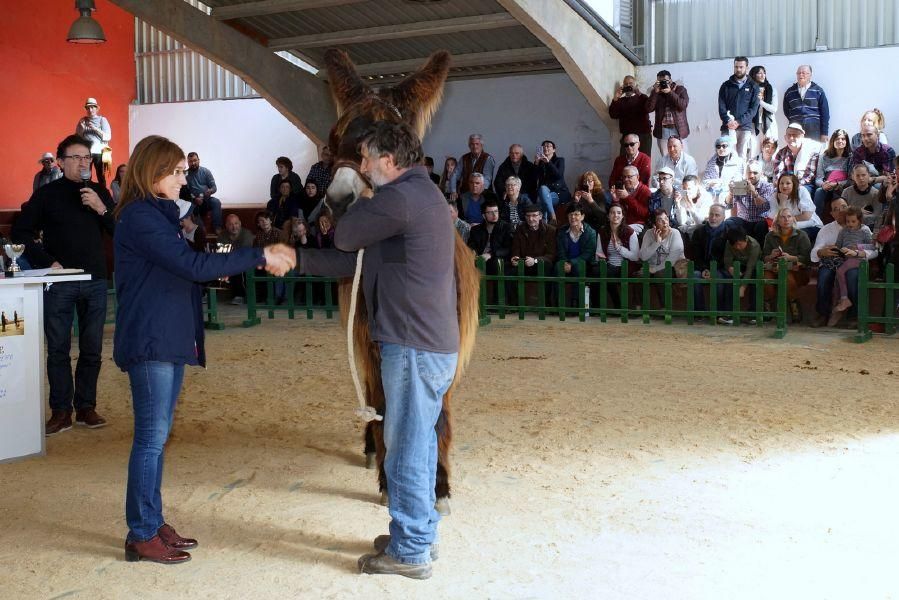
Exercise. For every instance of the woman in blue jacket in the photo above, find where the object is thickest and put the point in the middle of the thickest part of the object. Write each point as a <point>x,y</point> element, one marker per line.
<point>159,327</point>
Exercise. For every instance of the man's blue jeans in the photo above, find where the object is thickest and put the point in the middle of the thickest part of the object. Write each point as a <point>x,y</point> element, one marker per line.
<point>154,392</point>
<point>61,302</point>
<point>825,290</point>
<point>414,384</point>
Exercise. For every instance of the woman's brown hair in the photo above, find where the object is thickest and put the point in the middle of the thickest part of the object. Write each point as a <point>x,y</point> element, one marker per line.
<point>153,158</point>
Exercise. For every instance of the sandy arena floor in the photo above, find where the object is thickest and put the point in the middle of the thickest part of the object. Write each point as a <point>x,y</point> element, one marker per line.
<point>591,461</point>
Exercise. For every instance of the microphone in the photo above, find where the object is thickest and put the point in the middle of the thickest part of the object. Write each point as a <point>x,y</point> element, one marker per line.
<point>85,180</point>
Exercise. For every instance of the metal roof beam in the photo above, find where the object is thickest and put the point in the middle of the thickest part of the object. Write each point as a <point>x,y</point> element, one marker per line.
<point>394,32</point>
<point>272,7</point>
<point>478,59</point>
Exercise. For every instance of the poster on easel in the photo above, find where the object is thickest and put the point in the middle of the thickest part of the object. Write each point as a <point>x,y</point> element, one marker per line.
<point>12,349</point>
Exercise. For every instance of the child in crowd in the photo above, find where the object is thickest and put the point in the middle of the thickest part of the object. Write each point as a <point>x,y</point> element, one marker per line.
<point>852,242</point>
<point>862,195</point>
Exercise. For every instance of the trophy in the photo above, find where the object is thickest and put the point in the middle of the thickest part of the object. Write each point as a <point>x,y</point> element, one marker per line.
<point>14,251</point>
<point>220,248</point>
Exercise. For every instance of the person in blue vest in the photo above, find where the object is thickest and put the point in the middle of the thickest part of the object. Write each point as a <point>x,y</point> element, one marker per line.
<point>806,103</point>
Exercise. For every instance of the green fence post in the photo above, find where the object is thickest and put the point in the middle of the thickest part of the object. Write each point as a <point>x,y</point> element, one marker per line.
<point>624,289</point>
<point>669,291</point>
<point>541,290</point>
<point>781,330</point>
<point>647,302</point>
<point>889,300</point>
<point>289,285</point>
<point>484,318</point>
<point>501,287</point>
<point>212,310</point>
<point>519,289</point>
<point>252,318</point>
<point>736,302</point>
<point>603,290</point>
<point>329,297</point>
<point>691,287</point>
<point>863,333</point>
<point>759,291</point>
<point>582,292</point>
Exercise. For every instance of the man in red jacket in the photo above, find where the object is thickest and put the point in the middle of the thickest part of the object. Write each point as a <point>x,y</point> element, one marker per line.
<point>634,199</point>
<point>631,157</point>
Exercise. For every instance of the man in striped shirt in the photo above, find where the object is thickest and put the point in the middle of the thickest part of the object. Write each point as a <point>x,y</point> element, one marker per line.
<point>806,103</point>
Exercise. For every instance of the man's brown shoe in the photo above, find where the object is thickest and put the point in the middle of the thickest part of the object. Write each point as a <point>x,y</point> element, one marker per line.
<point>383,564</point>
<point>154,550</point>
<point>173,540</point>
<point>89,418</point>
<point>60,420</point>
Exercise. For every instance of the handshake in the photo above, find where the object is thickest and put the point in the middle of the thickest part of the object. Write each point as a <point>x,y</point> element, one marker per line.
<point>279,259</point>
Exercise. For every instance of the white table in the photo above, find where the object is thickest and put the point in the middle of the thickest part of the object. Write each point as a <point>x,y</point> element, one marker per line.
<point>22,365</point>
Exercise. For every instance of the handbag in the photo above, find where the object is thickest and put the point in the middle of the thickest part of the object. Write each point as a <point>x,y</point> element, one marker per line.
<point>886,234</point>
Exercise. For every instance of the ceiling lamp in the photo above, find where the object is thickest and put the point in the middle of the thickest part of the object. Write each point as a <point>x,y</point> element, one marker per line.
<point>85,30</point>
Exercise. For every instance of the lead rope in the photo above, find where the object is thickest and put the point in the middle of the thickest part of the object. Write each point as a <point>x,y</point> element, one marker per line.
<point>364,412</point>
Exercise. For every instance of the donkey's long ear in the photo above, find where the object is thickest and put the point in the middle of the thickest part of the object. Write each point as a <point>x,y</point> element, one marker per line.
<point>347,88</point>
<point>420,93</point>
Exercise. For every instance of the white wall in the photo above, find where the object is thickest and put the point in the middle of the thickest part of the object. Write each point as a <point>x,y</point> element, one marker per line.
<point>238,140</point>
<point>854,81</point>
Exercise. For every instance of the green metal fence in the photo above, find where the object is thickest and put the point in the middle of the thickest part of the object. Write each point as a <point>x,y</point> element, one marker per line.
<point>544,288</point>
<point>307,284</point>
<point>889,318</point>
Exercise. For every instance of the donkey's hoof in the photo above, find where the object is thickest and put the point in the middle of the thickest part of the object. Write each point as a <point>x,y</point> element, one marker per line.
<point>442,506</point>
<point>371,460</point>
<point>385,499</point>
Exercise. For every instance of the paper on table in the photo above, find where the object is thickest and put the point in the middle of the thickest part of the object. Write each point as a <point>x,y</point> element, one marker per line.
<point>45,272</point>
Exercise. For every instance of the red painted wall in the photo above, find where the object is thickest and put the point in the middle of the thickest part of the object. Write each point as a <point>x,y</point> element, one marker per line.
<point>44,81</point>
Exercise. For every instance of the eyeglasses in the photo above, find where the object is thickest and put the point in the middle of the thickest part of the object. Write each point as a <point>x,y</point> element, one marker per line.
<point>720,146</point>
<point>630,176</point>
<point>78,158</point>
<point>47,160</point>
<point>491,212</point>
<point>629,144</point>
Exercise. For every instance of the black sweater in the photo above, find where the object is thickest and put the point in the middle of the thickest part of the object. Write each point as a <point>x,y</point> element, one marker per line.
<point>73,233</point>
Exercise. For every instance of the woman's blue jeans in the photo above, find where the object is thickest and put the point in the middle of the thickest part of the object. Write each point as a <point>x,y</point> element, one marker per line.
<point>154,391</point>
<point>549,200</point>
<point>414,384</point>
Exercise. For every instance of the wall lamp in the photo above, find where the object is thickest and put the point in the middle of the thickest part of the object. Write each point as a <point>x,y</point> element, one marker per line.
<point>85,30</point>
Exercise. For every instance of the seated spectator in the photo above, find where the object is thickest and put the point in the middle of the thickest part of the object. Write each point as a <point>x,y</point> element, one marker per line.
<point>116,187</point>
<point>516,164</point>
<point>476,160</point>
<point>323,232</point>
<point>681,163</point>
<point>461,226</point>
<point>633,196</point>
<point>871,117</point>
<point>201,186</point>
<point>799,157</point>
<point>575,245</point>
<point>429,165</point>
<point>50,172</point>
<point>320,172</point>
<point>193,232</point>
<point>284,207</point>
<point>661,245</point>
<point>745,250</point>
<point>285,174</point>
<point>512,206</point>
<point>873,152</point>
<point>616,243</point>
<point>748,211</point>
<point>491,239</point>
<point>722,168</point>
<point>823,252</point>
<point>707,245</point>
<point>889,199</point>
<point>692,206</point>
<point>266,234</point>
<point>766,158</point>
<point>534,242</point>
<point>300,236</point>
<point>790,196</point>
<point>449,169</point>
<point>629,107</point>
<point>852,241</point>
<point>666,198</point>
<point>236,236</point>
<point>551,187</point>
<point>632,157</point>
<point>309,201</point>
<point>471,202</point>
<point>832,174</point>
<point>787,242</point>
<point>593,198</point>
<point>862,194</point>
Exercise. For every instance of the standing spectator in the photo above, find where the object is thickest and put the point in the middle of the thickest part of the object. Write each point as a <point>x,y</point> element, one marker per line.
<point>873,152</point>
<point>629,107</point>
<point>805,103</point>
<point>668,101</point>
<point>320,172</point>
<point>871,117</point>
<point>551,187</point>
<point>516,164</point>
<point>787,242</point>
<point>73,217</point>
<point>634,199</point>
<point>285,173</point>
<point>766,158</point>
<point>680,163</point>
<point>748,210</point>
<point>95,129</point>
<point>738,105</point>
<point>632,157</point>
<point>49,171</point>
<point>237,237</point>
<point>476,160</point>
<point>723,167</point>
<point>449,170</point>
<point>461,226</point>
<point>832,173</point>
<point>594,199</point>
<point>765,121</point>
<point>799,157</point>
<point>201,186</point>
<point>116,186</point>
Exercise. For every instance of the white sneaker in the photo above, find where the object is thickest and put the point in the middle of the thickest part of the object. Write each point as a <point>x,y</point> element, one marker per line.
<point>237,300</point>
<point>725,321</point>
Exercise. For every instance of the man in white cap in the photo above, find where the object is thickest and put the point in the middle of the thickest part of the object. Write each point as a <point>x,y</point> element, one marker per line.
<point>49,171</point>
<point>95,129</point>
<point>799,157</point>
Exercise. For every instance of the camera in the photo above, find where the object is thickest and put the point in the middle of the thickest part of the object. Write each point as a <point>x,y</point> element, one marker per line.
<point>664,84</point>
<point>582,188</point>
<point>741,188</point>
<point>628,89</point>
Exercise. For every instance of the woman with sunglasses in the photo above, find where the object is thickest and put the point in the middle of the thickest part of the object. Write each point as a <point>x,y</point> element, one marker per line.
<point>723,167</point>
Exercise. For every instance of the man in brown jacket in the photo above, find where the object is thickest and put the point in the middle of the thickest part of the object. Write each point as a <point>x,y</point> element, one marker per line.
<point>533,244</point>
<point>669,102</point>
